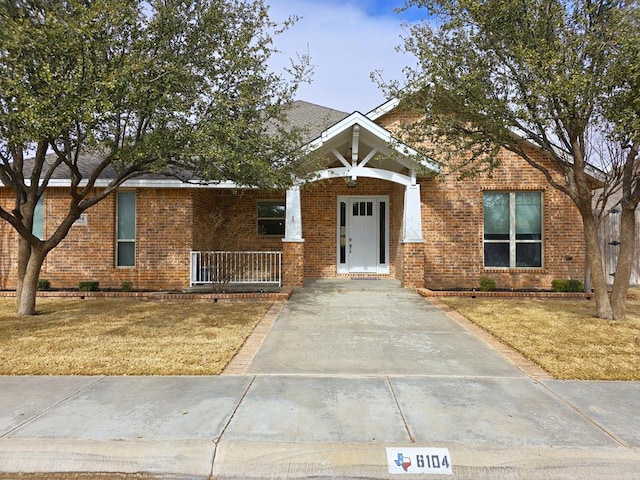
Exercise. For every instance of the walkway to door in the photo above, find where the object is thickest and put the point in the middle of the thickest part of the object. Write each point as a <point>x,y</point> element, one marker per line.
<point>371,327</point>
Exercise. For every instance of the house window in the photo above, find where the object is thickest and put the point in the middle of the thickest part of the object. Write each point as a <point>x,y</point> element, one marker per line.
<point>38,219</point>
<point>126,229</point>
<point>271,217</point>
<point>513,229</point>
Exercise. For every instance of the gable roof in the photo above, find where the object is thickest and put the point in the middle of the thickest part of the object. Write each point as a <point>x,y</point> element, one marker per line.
<point>325,130</point>
<point>313,117</point>
<point>375,140</point>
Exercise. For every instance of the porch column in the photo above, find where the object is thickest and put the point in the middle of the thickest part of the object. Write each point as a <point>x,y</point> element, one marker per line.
<point>412,248</point>
<point>293,243</point>
<point>412,221</point>
<point>293,220</point>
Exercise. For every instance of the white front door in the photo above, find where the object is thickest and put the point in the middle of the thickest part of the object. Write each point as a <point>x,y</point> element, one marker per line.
<point>362,235</point>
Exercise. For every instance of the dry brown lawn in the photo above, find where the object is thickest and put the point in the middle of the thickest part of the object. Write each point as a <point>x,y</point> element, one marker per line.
<point>562,336</point>
<point>124,337</point>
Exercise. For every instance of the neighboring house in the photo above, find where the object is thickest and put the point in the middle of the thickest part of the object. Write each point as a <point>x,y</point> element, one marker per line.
<point>374,208</point>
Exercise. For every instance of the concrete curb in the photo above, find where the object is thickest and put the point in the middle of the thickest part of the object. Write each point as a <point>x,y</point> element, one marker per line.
<point>177,459</point>
<point>255,460</point>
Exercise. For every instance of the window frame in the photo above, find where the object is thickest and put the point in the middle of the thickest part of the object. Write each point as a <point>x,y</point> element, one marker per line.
<point>38,226</point>
<point>513,241</point>
<point>120,241</point>
<point>282,218</point>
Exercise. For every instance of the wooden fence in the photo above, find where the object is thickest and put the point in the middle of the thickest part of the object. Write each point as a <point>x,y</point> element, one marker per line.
<point>610,238</point>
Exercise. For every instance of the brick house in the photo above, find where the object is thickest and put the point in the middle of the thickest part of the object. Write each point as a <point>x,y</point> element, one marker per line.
<point>373,207</point>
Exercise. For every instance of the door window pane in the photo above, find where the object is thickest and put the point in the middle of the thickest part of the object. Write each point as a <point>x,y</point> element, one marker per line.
<point>343,233</point>
<point>383,232</point>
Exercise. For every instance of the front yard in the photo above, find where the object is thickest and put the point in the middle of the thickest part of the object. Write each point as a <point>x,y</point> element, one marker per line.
<point>133,337</point>
<point>561,336</point>
<point>124,337</point>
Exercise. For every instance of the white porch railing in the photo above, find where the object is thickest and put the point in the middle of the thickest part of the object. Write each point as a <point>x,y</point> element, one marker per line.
<point>236,268</point>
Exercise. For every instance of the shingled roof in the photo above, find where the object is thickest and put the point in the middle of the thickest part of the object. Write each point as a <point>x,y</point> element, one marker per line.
<point>314,119</point>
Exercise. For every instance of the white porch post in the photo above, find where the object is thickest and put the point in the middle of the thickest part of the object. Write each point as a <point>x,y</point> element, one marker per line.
<point>293,220</point>
<point>412,222</point>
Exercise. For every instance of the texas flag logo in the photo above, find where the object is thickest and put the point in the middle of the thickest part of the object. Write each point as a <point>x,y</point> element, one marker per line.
<point>404,462</point>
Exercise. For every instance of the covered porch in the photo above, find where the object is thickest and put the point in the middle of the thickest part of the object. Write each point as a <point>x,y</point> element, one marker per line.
<point>358,210</point>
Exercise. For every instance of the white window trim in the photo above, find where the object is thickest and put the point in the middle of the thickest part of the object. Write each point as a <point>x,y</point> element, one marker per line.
<point>512,232</point>
<point>135,231</point>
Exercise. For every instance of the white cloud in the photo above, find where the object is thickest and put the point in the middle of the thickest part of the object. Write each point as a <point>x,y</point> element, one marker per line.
<point>345,46</point>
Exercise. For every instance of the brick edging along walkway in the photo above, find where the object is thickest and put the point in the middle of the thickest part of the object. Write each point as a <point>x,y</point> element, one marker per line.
<point>241,360</point>
<point>425,292</point>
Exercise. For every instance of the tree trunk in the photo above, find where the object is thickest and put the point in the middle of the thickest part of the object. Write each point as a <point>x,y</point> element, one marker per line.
<point>624,263</point>
<point>594,259</point>
<point>24,254</point>
<point>28,283</point>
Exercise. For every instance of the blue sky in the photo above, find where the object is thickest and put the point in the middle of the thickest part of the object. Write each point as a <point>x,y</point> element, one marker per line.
<point>347,40</point>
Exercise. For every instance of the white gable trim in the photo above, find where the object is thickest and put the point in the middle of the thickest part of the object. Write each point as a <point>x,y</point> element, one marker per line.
<point>383,109</point>
<point>361,122</point>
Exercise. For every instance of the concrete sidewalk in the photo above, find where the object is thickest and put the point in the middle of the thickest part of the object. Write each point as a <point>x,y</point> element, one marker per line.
<point>348,369</point>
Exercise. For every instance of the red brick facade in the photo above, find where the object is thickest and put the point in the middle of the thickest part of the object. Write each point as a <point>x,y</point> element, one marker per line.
<point>171,222</point>
<point>293,264</point>
<point>452,214</point>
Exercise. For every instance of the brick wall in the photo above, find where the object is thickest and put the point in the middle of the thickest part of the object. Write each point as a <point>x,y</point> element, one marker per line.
<point>412,256</point>
<point>163,240</point>
<point>453,229</point>
<point>292,264</point>
<point>8,245</point>
<point>452,216</point>
<point>169,224</point>
<point>239,210</point>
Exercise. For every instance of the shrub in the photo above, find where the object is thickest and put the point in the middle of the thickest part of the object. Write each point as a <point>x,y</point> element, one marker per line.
<point>90,286</point>
<point>44,284</point>
<point>126,286</point>
<point>562,285</point>
<point>487,284</point>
